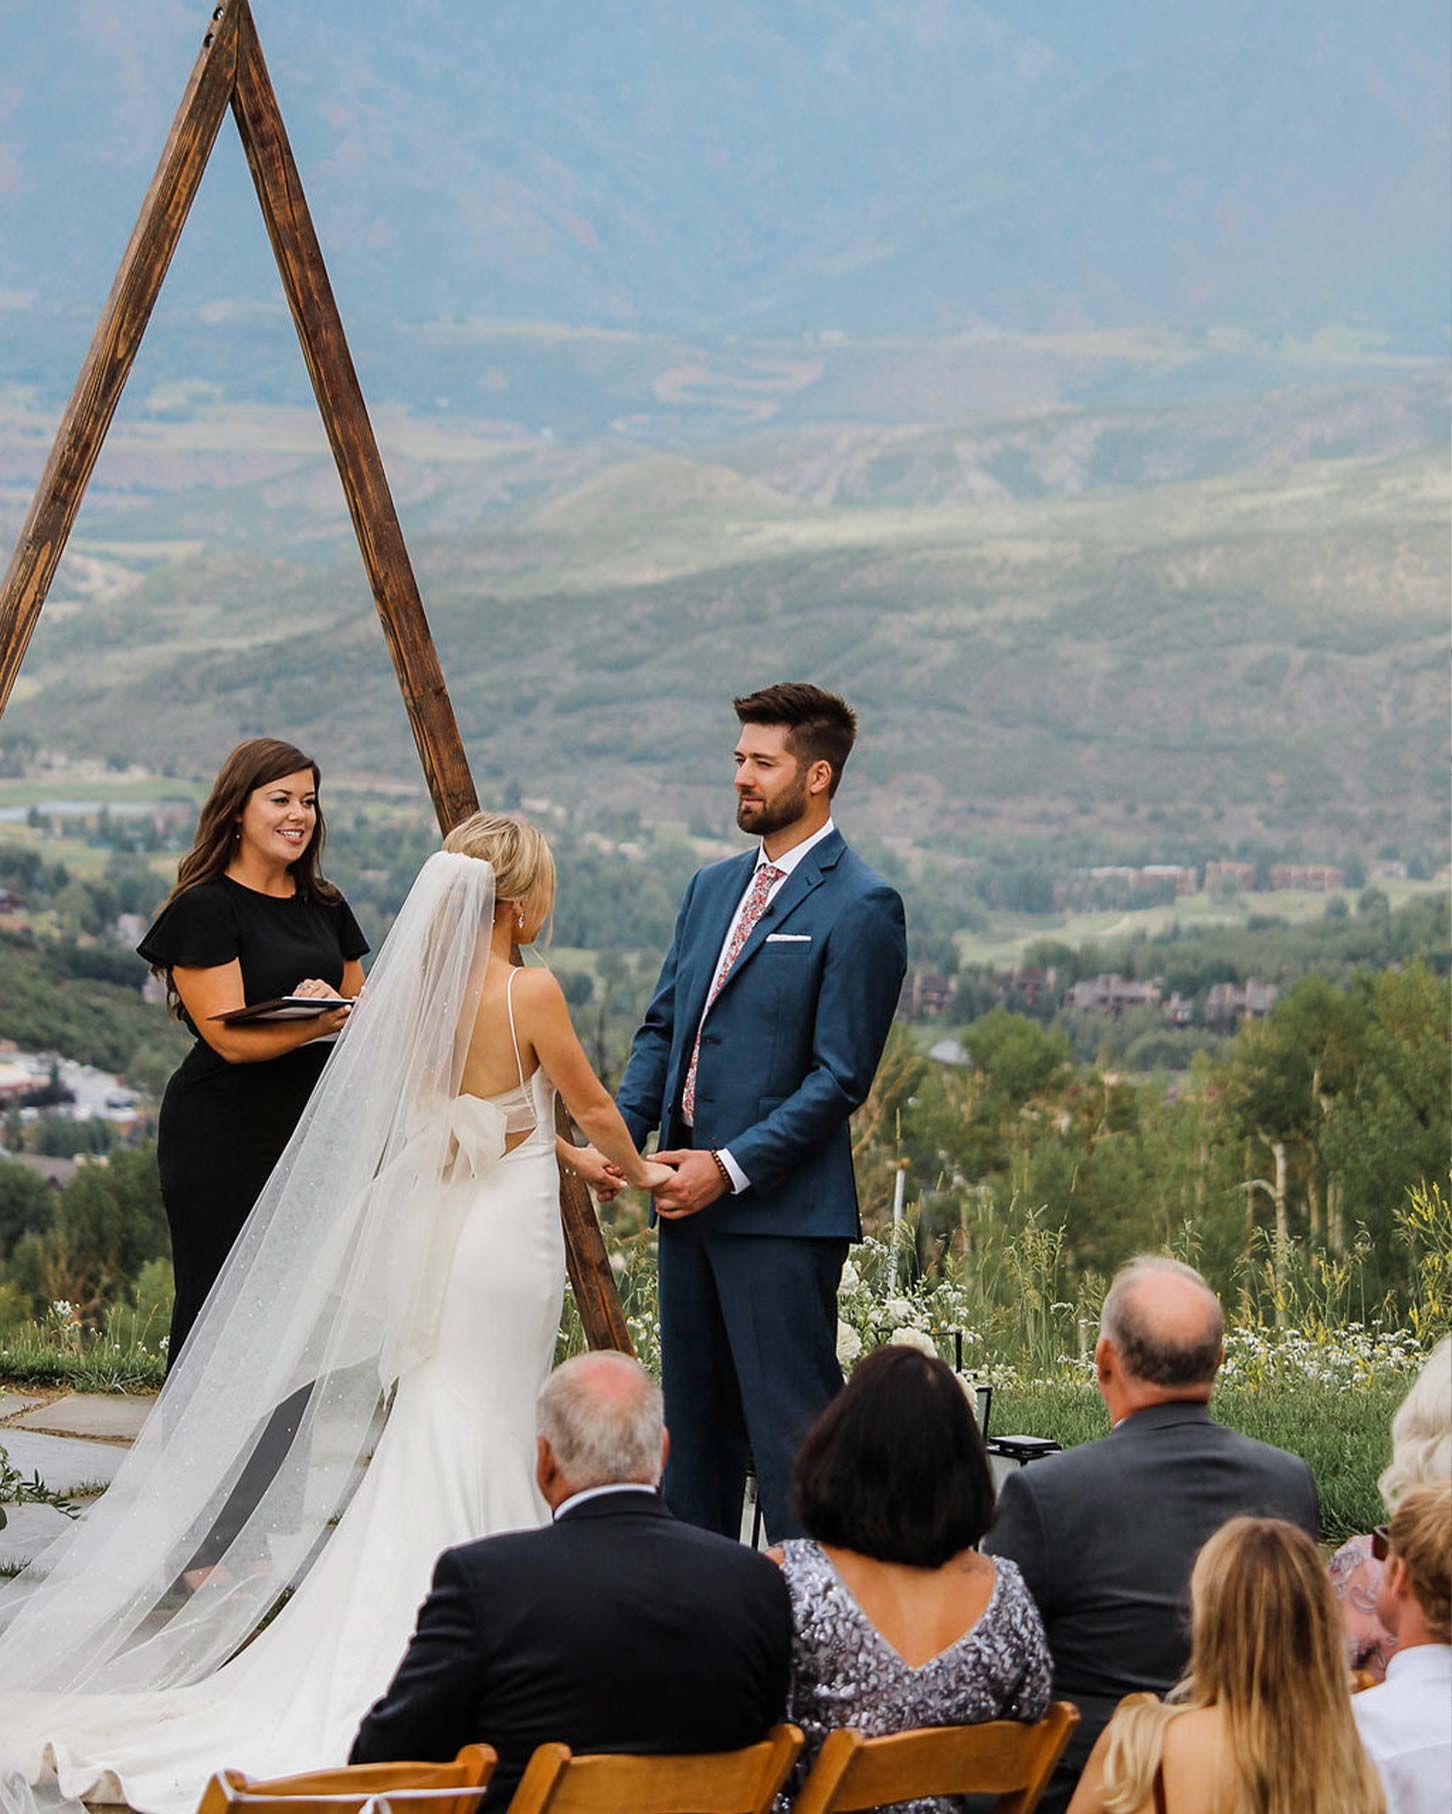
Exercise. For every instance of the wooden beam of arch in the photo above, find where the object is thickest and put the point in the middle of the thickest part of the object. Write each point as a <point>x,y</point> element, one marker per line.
<point>230,70</point>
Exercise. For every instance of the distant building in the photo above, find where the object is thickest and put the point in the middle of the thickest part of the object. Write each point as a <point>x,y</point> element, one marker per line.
<point>1111,995</point>
<point>1179,1010</point>
<point>926,995</point>
<point>1186,881</point>
<point>1240,876</point>
<point>951,1052</point>
<point>57,1173</point>
<point>1227,1004</point>
<point>1309,878</point>
<point>10,902</point>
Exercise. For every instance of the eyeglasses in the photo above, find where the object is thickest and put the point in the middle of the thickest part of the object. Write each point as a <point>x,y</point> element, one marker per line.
<point>1381,1542</point>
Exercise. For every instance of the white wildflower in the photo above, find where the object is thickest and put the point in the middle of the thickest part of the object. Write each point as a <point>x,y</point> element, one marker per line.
<point>849,1344</point>
<point>908,1337</point>
<point>901,1310</point>
<point>851,1278</point>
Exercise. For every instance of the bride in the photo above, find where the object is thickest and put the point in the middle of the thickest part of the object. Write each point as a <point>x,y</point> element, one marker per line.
<point>402,1275</point>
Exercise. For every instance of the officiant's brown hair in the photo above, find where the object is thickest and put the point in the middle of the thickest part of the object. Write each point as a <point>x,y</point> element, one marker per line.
<point>254,764</point>
<point>251,765</point>
<point>820,726</point>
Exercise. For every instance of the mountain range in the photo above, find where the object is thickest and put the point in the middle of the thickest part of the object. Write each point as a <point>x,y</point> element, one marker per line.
<point>768,166</point>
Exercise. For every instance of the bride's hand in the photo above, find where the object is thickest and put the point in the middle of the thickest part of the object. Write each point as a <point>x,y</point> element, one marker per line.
<point>602,1177</point>
<point>654,1176</point>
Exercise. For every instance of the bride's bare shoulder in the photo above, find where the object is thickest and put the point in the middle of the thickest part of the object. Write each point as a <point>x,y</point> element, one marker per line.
<point>535,987</point>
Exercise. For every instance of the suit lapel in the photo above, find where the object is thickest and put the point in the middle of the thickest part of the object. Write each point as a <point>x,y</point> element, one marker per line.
<point>716,921</point>
<point>807,875</point>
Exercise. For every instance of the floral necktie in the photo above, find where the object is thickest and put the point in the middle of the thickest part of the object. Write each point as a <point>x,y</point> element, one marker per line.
<point>762,883</point>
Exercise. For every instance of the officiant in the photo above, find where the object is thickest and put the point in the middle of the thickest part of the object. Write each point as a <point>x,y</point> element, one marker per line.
<point>251,918</point>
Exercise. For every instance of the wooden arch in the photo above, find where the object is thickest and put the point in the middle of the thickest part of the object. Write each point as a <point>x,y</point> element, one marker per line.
<point>230,71</point>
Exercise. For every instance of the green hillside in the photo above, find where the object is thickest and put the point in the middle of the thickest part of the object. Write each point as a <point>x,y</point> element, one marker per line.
<point>1259,655</point>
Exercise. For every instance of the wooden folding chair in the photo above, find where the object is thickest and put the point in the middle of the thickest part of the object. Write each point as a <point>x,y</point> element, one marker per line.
<point>418,1788</point>
<point>1002,1757</point>
<point>718,1782</point>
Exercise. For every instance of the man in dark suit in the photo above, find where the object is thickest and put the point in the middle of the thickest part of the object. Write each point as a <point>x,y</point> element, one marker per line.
<point>762,1037</point>
<point>615,1628</point>
<point>1106,1534</point>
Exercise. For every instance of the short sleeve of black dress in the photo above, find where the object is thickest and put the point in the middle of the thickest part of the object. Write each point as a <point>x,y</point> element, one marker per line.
<point>198,930</point>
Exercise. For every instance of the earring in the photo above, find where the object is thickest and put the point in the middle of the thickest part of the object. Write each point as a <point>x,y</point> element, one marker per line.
<point>519,918</point>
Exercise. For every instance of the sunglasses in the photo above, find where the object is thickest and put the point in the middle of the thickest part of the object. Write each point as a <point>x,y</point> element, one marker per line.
<point>1381,1542</point>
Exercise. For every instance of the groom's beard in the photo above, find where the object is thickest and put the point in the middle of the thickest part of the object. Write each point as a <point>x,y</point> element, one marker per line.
<point>760,820</point>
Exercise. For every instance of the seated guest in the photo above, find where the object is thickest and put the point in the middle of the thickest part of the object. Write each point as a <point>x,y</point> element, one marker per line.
<point>1406,1722</point>
<point>1262,1722</point>
<point>897,1620</point>
<point>1421,1436</point>
<point>615,1628</point>
<point>1106,1533</point>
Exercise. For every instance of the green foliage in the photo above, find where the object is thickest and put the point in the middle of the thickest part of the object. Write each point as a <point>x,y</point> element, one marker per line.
<point>27,1204</point>
<point>127,1353</point>
<point>106,1226</point>
<point>46,1006</point>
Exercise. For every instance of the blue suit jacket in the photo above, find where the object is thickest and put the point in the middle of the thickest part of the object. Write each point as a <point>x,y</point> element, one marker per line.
<point>792,1041</point>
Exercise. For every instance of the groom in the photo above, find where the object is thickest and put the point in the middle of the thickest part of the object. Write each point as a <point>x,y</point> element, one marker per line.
<point>763,1036</point>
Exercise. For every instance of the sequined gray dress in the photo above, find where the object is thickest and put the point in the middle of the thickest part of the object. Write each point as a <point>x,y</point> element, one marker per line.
<point>844,1673</point>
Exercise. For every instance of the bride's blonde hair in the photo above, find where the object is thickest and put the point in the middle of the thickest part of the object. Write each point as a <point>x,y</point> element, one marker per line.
<point>1268,1651</point>
<point>524,865</point>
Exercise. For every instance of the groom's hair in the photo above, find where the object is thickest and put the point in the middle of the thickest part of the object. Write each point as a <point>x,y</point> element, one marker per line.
<point>601,1414</point>
<point>820,727</point>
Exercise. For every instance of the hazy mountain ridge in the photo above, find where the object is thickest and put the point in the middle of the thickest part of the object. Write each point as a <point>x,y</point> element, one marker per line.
<point>809,162</point>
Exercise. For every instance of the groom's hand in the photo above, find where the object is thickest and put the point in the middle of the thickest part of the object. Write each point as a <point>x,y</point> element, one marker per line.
<point>696,1185</point>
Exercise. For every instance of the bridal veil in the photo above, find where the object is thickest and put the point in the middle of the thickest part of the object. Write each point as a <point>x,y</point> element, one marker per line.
<point>331,1292</point>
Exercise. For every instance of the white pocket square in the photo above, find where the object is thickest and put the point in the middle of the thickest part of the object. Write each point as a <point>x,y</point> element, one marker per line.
<point>788,938</point>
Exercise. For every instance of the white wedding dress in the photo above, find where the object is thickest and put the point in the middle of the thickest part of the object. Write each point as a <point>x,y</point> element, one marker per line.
<point>454,1460</point>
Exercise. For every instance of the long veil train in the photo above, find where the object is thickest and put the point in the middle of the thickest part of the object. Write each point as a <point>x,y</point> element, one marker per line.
<point>333,1291</point>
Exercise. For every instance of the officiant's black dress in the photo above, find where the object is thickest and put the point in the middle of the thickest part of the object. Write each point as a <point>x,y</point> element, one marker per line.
<point>223,1126</point>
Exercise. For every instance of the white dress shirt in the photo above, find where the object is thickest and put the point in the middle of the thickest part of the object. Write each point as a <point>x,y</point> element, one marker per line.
<point>786,863</point>
<point>1405,1724</point>
<point>599,1492</point>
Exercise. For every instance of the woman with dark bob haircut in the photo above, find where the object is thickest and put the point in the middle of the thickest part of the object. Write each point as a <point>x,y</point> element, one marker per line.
<point>898,1621</point>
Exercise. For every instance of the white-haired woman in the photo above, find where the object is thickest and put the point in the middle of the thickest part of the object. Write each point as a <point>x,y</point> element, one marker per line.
<point>1421,1436</point>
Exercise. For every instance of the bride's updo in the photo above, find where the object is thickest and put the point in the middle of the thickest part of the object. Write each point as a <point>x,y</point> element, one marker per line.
<point>524,867</point>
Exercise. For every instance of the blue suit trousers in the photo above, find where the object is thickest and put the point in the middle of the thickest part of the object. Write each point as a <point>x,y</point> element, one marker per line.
<point>749,1335</point>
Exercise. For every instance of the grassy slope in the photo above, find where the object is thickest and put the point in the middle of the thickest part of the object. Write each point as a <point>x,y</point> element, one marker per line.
<point>1261,654</point>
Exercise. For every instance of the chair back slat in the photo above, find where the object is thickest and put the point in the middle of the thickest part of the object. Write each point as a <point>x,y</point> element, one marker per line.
<point>721,1782</point>
<point>419,1788</point>
<point>1001,1757</point>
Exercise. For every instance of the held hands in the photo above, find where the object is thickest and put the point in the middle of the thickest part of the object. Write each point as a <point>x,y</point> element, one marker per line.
<point>696,1181</point>
<point>683,1182</point>
<point>603,1176</point>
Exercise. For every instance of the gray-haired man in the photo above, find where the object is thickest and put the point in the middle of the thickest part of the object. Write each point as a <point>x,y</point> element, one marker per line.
<point>615,1628</point>
<point>1106,1534</point>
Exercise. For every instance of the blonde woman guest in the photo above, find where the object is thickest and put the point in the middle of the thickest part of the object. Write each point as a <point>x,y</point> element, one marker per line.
<point>1262,1722</point>
<point>1421,1435</point>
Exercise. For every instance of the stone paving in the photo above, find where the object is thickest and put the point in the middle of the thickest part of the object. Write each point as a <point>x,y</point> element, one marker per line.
<point>75,1441</point>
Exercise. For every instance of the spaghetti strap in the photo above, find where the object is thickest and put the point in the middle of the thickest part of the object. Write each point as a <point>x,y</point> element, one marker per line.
<point>509,1004</point>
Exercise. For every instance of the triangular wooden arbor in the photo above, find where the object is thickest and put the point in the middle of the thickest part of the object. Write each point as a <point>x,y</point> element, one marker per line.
<point>230,71</point>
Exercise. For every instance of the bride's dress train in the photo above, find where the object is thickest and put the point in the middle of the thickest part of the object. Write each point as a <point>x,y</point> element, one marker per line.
<point>454,1461</point>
